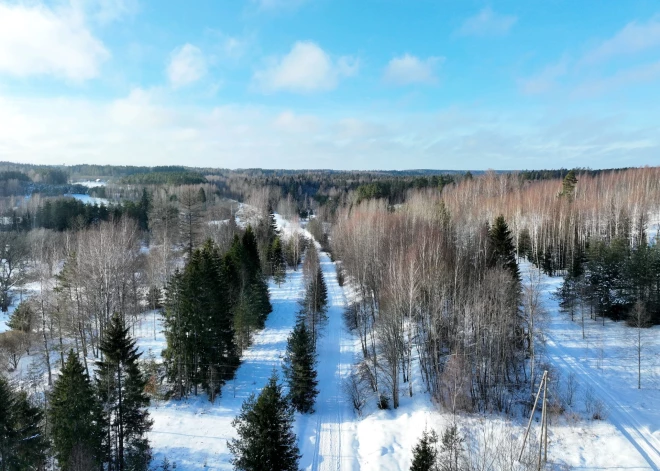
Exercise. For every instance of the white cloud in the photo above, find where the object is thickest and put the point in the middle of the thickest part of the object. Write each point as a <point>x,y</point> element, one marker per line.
<point>305,69</point>
<point>36,40</point>
<point>634,37</point>
<point>187,65</point>
<point>295,123</point>
<point>487,23</point>
<point>407,69</point>
<point>73,130</point>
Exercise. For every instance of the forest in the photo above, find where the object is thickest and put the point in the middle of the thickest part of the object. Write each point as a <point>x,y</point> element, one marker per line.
<point>437,275</point>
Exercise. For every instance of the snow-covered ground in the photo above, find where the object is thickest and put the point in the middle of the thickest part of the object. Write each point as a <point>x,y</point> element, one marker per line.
<point>89,199</point>
<point>328,438</point>
<point>92,183</point>
<point>605,364</point>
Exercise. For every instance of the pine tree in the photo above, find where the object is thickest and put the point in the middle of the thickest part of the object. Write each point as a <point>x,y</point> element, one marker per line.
<point>22,443</point>
<point>425,453</point>
<point>264,426</point>
<point>75,418</point>
<point>502,249</point>
<point>300,369</point>
<point>121,390</point>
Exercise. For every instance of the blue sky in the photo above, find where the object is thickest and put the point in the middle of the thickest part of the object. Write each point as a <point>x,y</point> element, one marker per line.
<point>343,84</point>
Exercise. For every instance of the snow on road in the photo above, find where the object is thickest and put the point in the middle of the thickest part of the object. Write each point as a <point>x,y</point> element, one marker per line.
<point>327,438</point>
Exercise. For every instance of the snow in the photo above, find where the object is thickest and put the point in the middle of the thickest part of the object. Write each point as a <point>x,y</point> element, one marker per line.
<point>92,183</point>
<point>328,438</point>
<point>193,433</point>
<point>605,362</point>
<point>89,199</point>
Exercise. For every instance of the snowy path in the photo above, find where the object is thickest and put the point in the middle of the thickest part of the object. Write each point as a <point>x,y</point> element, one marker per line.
<point>603,363</point>
<point>327,438</point>
<point>193,433</point>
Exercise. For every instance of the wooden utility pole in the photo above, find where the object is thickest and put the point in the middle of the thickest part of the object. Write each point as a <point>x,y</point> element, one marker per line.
<point>543,443</point>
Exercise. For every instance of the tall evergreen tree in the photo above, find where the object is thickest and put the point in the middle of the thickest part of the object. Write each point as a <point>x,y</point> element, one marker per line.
<point>76,421</point>
<point>315,303</point>
<point>278,263</point>
<point>22,443</point>
<point>502,249</point>
<point>199,324</point>
<point>300,369</point>
<point>568,185</point>
<point>425,453</point>
<point>265,432</point>
<point>121,390</point>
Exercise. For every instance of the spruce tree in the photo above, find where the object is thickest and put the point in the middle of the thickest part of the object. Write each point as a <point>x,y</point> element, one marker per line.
<point>199,323</point>
<point>121,390</point>
<point>23,318</point>
<point>22,443</point>
<point>278,262</point>
<point>315,303</point>
<point>265,432</point>
<point>568,185</point>
<point>425,453</point>
<point>75,416</point>
<point>300,369</point>
<point>502,250</point>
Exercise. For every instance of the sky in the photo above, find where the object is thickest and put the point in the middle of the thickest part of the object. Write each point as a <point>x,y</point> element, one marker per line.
<point>340,84</point>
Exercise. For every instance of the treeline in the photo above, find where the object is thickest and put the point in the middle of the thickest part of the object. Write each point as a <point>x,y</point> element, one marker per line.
<point>610,279</point>
<point>394,191</point>
<point>161,177</point>
<point>559,174</point>
<point>427,287</point>
<point>68,213</point>
<point>213,306</point>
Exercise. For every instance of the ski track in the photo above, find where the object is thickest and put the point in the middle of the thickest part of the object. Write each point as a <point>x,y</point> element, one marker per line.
<point>327,438</point>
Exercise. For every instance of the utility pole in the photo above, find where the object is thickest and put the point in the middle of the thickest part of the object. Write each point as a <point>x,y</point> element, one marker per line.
<point>543,442</point>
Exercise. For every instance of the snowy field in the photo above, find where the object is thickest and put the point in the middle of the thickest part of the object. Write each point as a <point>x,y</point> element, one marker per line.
<point>89,199</point>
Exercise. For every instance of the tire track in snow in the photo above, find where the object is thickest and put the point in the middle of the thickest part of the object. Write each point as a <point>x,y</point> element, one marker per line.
<point>325,436</point>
